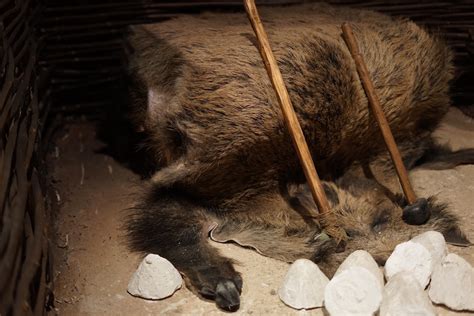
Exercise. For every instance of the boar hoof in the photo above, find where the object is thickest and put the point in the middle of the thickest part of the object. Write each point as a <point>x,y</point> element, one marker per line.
<point>417,213</point>
<point>226,294</point>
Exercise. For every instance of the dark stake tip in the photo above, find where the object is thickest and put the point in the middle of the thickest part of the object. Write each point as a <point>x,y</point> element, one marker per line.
<point>417,213</point>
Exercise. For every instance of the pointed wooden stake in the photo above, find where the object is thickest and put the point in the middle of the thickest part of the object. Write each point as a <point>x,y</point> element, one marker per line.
<point>374,103</point>
<point>292,124</point>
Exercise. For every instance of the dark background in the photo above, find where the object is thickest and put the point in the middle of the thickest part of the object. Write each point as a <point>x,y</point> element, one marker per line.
<point>83,41</point>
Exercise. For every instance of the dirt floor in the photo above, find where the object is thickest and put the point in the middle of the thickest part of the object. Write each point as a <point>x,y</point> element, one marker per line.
<point>93,266</point>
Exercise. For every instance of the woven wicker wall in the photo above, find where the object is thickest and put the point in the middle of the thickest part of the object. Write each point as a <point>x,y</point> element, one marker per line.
<point>25,278</point>
<point>84,41</point>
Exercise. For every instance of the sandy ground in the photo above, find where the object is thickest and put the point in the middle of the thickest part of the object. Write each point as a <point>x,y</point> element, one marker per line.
<point>93,266</point>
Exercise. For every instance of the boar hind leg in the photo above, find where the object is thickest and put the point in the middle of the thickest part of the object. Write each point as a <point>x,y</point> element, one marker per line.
<point>170,225</point>
<point>439,157</point>
<point>427,154</point>
<point>424,153</point>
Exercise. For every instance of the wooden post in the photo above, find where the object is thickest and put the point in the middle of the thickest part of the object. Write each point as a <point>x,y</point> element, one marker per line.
<point>374,103</point>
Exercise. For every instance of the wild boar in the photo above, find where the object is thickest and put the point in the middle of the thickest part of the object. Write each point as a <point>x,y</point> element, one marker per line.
<point>228,167</point>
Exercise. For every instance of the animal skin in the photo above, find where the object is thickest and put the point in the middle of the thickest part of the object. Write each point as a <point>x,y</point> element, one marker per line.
<point>227,165</point>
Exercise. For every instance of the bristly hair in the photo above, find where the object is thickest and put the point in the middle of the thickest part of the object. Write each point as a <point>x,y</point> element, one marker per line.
<point>446,222</point>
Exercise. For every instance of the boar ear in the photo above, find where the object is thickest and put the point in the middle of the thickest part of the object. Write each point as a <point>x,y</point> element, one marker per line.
<point>456,237</point>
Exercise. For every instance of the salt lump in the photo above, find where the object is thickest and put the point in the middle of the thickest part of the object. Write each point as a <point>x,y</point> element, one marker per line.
<point>354,291</point>
<point>361,258</point>
<point>303,286</point>
<point>436,245</point>
<point>452,283</point>
<point>410,257</point>
<point>356,287</point>
<point>155,278</point>
<point>403,295</point>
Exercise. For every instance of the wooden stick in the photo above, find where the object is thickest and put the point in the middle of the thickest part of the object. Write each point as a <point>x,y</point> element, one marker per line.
<point>374,103</point>
<point>289,114</point>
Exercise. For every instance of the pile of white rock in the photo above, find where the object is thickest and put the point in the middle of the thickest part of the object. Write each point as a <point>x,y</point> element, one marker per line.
<point>358,287</point>
<point>419,272</point>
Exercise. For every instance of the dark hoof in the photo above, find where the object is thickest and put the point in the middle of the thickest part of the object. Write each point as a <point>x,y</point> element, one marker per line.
<point>417,213</point>
<point>226,293</point>
<point>227,296</point>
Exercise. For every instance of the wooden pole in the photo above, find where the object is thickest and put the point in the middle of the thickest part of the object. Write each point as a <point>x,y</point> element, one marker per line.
<point>326,218</point>
<point>292,123</point>
<point>289,114</point>
<point>374,103</point>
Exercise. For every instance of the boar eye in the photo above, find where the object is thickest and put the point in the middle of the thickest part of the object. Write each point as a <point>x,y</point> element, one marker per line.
<point>380,221</point>
<point>352,233</point>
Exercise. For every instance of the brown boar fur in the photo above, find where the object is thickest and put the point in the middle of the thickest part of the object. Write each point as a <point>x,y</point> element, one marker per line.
<point>228,164</point>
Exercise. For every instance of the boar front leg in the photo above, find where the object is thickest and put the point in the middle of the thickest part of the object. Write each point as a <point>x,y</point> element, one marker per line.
<point>171,225</point>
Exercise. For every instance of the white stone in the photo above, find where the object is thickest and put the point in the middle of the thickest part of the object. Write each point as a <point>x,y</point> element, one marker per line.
<point>413,258</point>
<point>361,258</point>
<point>403,295</point>
<point>434,242</point>
<point>354,291</point>
<point>155,278</point>
<point>303,286</point>
<point>452,283</point>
